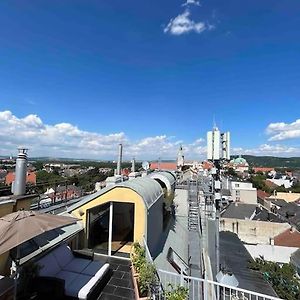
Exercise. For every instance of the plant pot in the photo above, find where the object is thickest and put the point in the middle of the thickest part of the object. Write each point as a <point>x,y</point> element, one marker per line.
<point>134,271</point>
<point>135,276</point>
<point>136,290</point>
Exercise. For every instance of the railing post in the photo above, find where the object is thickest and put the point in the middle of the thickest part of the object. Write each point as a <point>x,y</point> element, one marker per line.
<point>181,277</point>
<point>205,289</point>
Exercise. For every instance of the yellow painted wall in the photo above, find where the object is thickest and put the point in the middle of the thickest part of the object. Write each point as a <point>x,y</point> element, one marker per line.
<point>6,209</point>
<point>23,204</point>
<point>124,195</point>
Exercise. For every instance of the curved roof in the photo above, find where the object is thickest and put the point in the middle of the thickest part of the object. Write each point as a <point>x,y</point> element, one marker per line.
<point>167,178</point>
<point>239,160</point>
<point>149,189</point>
<point>146,187</point>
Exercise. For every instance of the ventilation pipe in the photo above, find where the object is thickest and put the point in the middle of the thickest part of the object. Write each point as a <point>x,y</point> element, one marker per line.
<point>19,185</point>
<point>119,160</point>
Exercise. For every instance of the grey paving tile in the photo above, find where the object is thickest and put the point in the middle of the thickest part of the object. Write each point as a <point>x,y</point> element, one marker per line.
<point>124,292</point>
<point>119,282</point>
<point>109,289</point>
<point>109,297</point>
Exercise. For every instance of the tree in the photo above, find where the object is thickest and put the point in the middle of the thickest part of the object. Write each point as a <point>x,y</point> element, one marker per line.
<point>282,278</point>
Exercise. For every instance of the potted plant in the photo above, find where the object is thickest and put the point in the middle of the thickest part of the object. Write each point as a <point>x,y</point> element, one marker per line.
<point>138,257</point>
<point>177,293</point>
<point>143,272</point>
<point>146,279</point>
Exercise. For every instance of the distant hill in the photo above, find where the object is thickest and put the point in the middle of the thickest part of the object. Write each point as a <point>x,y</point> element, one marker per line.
<point>272,161</point>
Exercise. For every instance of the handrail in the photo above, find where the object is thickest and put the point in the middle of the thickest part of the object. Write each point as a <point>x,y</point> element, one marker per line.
<point>214,283</point>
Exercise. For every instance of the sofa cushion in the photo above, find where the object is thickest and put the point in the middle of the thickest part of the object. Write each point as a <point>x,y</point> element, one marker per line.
<point>92,268</point>
<point>77,265</point>
<point>63,255</point>
<point>68,277</point>
<point>77,284</point>
<point>102,272</point>
<point>49,265</point>
<point>85,290</point>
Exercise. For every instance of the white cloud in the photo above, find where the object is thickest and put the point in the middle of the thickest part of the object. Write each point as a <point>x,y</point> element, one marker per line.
<point>184,24</point>
<point>282,131</point>
<point>67,140</point>
<point>191,2</point>
<point>268,149</point>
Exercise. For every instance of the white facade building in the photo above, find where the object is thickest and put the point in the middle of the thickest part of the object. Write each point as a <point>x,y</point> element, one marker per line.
<point>285,182</point>
<point>243,192</point>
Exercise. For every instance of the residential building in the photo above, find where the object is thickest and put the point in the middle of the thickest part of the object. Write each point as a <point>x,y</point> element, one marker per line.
<point>287,197</point>
<point>252,224</point>
<point>286,183</point>
<point>64,193</point>
<point>261,197</point>
<point>166,166</point>
<point>262,170</point>
<point>30,178</point>
<point>243,192</point>
<point>239,164</point>
<point>279,254</point>
<point>288,238</point>
<point>134,207</point>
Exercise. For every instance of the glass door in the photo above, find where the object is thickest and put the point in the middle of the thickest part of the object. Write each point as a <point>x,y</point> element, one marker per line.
<point>98,230</point>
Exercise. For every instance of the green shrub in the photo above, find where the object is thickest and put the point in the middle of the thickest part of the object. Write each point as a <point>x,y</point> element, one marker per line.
<point>138,256</point>
<point>147,278</point>
<point>177,293</point>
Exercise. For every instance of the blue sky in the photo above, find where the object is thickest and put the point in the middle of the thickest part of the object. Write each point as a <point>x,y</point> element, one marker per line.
<point>151,74</point>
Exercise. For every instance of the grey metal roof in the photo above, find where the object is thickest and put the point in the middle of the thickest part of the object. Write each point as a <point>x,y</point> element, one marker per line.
<point>146,187</point>
<point>295,258</point>
<point>239,211</point>
<point>234,257</point>
<point>168,175</point>
<point>291,213</point>
<point>263,214</point>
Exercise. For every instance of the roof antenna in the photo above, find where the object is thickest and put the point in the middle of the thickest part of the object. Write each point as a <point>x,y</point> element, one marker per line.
<point>214,123</point>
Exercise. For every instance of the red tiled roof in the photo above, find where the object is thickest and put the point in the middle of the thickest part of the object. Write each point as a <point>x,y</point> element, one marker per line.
<point>270,184</point>
<point>262,194</point>
<point>30,177</point>
<point>163,166</point>
<point>288,238</point>
<point>262,169</point>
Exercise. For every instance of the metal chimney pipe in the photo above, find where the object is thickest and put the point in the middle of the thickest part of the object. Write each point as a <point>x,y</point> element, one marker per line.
<point>19,185</point>
<point>119,160</point>
<point>133,165</point>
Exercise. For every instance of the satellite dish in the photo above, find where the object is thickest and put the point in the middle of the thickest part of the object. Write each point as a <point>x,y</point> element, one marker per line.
<point>145,165</point>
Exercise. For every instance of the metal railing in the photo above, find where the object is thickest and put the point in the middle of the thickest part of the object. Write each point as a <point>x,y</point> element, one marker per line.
<point>201,289</point>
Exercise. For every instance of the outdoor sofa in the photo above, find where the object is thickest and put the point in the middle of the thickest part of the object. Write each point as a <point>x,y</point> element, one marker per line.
<point>78,277</point>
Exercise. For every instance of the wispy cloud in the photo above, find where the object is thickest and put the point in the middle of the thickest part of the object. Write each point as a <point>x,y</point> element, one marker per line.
<point>68,140</point>
<point>282,131</point>
<point>269,149</point>
<point>191,2</point>
<point>184,24</point>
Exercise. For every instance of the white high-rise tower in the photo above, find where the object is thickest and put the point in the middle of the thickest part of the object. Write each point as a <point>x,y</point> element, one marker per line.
<point>180,158</point>
<point>218,145</point>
